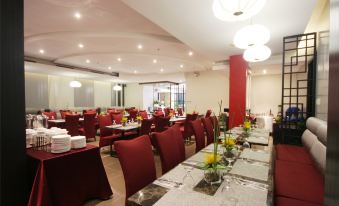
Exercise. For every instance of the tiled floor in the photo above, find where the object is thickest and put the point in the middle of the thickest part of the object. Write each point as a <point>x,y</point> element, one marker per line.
<point>116,177</point>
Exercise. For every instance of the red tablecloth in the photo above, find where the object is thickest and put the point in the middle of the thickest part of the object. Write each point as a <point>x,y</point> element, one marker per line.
<point>67,179</point>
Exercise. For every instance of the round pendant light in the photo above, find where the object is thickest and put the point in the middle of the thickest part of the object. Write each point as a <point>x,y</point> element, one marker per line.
<point>75,84</point>
<point>251,35</point>
<point>117,87</point>
<point>236,10</point>
<point>257,53</point>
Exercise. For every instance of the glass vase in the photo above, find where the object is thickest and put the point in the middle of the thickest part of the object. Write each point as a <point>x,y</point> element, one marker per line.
<point>212,176</point>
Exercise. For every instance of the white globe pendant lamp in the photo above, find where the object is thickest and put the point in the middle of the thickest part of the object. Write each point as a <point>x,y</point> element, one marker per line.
<point>117,87</point>
<point>251,35</point>
<point>75,84</point>
<point>236,10</point>
<point>257,53</point>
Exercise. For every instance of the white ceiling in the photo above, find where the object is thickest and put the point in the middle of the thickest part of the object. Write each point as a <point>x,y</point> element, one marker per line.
<point>193,22</point>
<point>167,29</point>
<point>108,30</point>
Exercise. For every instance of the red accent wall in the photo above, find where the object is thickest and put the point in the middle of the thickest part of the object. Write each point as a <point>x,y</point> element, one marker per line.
<point>237,99</point>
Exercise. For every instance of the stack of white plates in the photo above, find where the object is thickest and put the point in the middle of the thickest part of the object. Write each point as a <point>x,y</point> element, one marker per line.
<point>61,143</point>
<point>29,137</point>
<point>78,142</point>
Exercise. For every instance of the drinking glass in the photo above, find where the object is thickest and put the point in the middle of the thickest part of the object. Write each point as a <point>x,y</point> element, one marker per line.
<point>114,123</point>
<point>188,180</point>
<point>228,193</point>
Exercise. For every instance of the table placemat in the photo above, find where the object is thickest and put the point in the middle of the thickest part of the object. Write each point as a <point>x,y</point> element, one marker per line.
<point>255,155</point>
<point>206,188</point>
<point>250,170</point>
<point>257,140</point>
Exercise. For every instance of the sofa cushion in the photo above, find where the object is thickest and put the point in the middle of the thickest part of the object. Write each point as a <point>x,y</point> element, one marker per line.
<point>293,153</point>
<point>313,123</point>
<point>299,181</point>
<point>308,139</point>
<point>322,134</point>
<point>318,153</point>
<point>283,201</point>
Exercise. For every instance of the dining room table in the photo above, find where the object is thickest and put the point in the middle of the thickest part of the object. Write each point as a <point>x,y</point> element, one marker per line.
<point>69,178</point>
<point>248,181</point>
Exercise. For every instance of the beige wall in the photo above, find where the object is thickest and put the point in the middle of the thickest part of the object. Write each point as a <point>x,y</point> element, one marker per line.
<point>59,94</point>
<point>206,90</point>
<point>265,93</point>
<point>134,95</point>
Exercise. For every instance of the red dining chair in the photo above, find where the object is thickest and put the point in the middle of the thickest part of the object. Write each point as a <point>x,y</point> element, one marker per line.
<point>158,113</point>
<point>161,123</point>
<point>167,111</point>
<point>89,129</point>
<point>143,114</point>
<point>50,115</point>
<point>215,123</point>
<point>117,117</point>
<point>106,135</point>
<point>209,130</point>
<point>186,130</point>
<point>177,135</point>
<point>146,126</point>
<point>199,134</point>
<point>208,113</point>
<point>170,154</point>
<point>132,114</point>
<point>179,110</point>
<point>89,111</point>
<point>137,163</point>
<point>72,124</point>
<point>64,112</point>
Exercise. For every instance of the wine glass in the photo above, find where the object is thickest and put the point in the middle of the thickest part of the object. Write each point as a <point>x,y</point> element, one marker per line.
<point>228,193</point>
<point>246,144</point>
<point>114,123</point>
<point>188,180</point>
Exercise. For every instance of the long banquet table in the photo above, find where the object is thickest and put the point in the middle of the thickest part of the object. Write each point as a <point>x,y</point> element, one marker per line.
<point>69,178</point>
<point>250,181</point>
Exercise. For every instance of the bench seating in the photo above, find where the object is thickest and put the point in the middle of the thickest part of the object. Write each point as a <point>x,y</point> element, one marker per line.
<point>299,171</point>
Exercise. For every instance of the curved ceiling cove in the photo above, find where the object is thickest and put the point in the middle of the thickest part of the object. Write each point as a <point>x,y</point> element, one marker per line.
<point>106,36</point>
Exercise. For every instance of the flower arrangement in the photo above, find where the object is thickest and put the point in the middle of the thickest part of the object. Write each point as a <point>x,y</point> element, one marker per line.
<point>247,125</point>
<point>124,121</point>
<point>212,162</point>
<point>138,118</point>
<point>229,143</point>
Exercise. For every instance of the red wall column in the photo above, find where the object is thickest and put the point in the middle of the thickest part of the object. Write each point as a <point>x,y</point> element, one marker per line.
<point>237,99</point>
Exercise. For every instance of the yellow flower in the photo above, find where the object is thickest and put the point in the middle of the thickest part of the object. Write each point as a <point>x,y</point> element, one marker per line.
<point>229,142</point>
<point>139,118</point>
<point>124,119</point>
<point>247,125</point>
<point>210,158</point>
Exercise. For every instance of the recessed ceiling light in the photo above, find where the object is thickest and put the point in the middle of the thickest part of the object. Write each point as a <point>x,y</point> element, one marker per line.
<point>181,66</point>
<point>161,70</point>
<point>119,59</point>
<point>109,68</point>
<point>77,15</point>
<point>41,51</point>
<point>180,80</point>
<point>135,71</point>
<point>155,61</point>
<point>88,61</point>
<point>80,45</point>
<point>140,46</point>
<point>264,71</point>
<point>190,53</point>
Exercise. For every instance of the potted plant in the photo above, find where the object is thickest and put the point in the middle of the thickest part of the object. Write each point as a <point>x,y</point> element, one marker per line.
<point>247,126</point>
<point>212,165</point>
<point>124,121</point>
<point>138,119</point>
